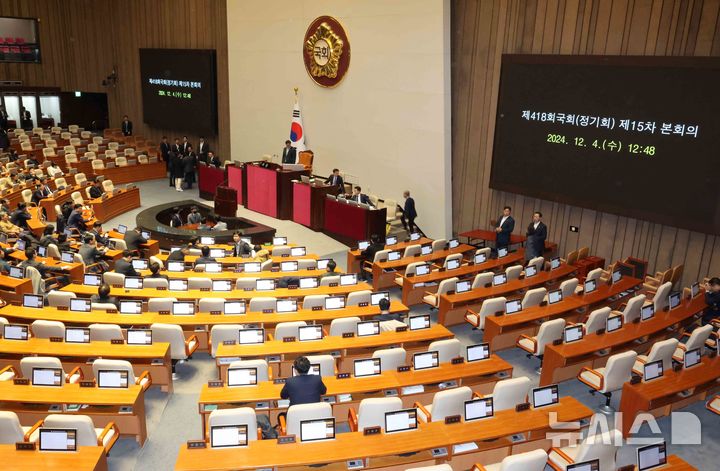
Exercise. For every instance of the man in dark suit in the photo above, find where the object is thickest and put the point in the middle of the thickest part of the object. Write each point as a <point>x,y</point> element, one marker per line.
<point>205,257</point>
<point>202,150</point>
<point>359,197</point>
<point>368,254</point>
<point>409,213</point>
<point>75,220</point>
<point>503,228</point>
<point>336,180</point>
<point>213,159</point>
<point>164,148</point>
<point>134,239</point>
<point>536,235</point>
<point>240,248</point>
<point>25,118</point>
<point>124,265</point>
<point>91,254</point>
<point>303,388</point>
<point>177,147</point>
<point>37,194</point>
<point>189,164</point>
<point>97,233</point>
<point>96,190</point>
<point>126,126</point>
<point>31,261</point>
<point>184,145</point>
<point>103,295</point>
<point>3,118</point>
<point>289,153</point>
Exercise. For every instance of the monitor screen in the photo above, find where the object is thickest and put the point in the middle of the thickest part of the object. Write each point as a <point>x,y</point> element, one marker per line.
<point>17,272</point>
<point>234,307</point>
<point>376,297</point>
<point>452,264</point>
<point>297,251</point>
<point>145,235</point>
<point>213,267</point>
<point>92,280</point>
<point>530,271</point>
<point>477,352</point>
<point>322,263</point>
<point>692,357</point>
<point>545,396</point>
<point>279,240</point>
<point>479,258</point>
<point>651,456</point>
<point>289,266</point>
<point>394,256</point>
<point>207,240</point>
<point>499,279</point>
<point>614,323</point>
<point>462,286</point>
<point>251,336</point>
<point>616,276</point>
<point>368,328</point>
<point>286,305</point>
<point>183,308</point>
<point>502,252</point>
<point>20,244</point>
<point>513,306</point>
<point>647,312</point>
<point>363,244</point>
<point>335,302</point>
<point>592,465</point>
<point>308,283</point>
<point>480,408</point>
<point>554,263</point>
<point>453,243</point>
<point>694,289</point>
<point>264,284</point>
<point>67,257</point>
<point>133,282</point>
<point>226,436</point>
<point>422,361</point>
<point>80,305</point>
<point>32,300</point>
<point>252,267</point>
<point>367,367</point>
<point>320,429</point>
<point>590,286</point>
<point>15,331</point>
<point>674,300</point>
<point>419,322</point>
<point>53,439</point>
<point>140,264</point>
<point>573,333</point>
<point>310,332</point>
<point>401,420</point>
<point>421,270</point>
<point>391,240</point>
<point>415,236</point>
<point>48,377</point>
<point>176,266</point>
<point>242,377</point>
<point>139,337</point>
<point>21,40</point>
<point>222,285</point>
<point>112,379</point>
<point>652,370</point>
<point>130,307</point>
<point>42,251</point>
<point>347,280</point>
<point>77,335</point>
<point>177,284</point>
<point>217,253</point>
<point>426,250</point>
<point>122,229</point>
<point>555,296</point>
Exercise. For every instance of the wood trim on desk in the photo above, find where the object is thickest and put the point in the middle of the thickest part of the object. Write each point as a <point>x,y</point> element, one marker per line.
<point>86,458</point>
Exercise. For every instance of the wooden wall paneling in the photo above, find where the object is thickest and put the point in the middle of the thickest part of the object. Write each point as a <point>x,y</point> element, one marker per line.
<point>635,27</point>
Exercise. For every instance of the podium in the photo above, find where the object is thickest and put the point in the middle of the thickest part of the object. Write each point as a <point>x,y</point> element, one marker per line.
<point>349,223</point>
<point>226,201</point>
<point>309,203</point>
<point>209,179</point>
<point>269,188</point>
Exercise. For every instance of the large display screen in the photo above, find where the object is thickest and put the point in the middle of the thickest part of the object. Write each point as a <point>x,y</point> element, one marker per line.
<point>178,89</point>
<point>19,39</point>
<point>634,136</point>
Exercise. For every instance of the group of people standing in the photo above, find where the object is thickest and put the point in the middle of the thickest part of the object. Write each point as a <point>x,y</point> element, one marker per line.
<point>181,160</point>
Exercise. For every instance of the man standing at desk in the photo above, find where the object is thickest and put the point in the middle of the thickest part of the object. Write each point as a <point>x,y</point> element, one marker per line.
<point>503,228</point>
<point>409,213</point>
<point>336,180</point>
<point>359,197</point>
<point>536,235</point>
<point>289,153</point>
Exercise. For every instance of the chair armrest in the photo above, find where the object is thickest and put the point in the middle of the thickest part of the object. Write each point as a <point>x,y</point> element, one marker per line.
<point>590,370</point>
<point>562,455</point>
<point>75,371</point>
<point>10,369</point>
<point>187,344</point>
<point>682,347</point>
<point>352,419</point>
<point>477,467</point>
<point>622,307</point>
<point>707,405</point>
<point>477,395</point>
<point>715,323</point>
<point>32,430</point>
<point>532,339</point>
<point>684,335</point>
<point>111,426</point>
<point>474,322</point>
<point>283,424</point>
<point>270,336</point>
<point>143,375</point>
<point>270,375</point>
<point>428,416</point>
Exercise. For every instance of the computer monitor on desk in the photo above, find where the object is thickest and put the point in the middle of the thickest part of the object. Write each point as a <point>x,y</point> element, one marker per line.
<point>401,420</point>
<point>241,377</point>
<point>318,429</point>
<point>55,439</point>
<point>228,436</point>
<point>651,456</point>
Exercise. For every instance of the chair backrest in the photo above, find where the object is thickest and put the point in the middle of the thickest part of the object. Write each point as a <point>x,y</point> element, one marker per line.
<point>199,283</point>
<point>549,332</point>
<point>633,308</point>
<point>455,256</point>
<point>262,303</point>
<point>314,300</point>
<point>301,412</point>
<point>172,334</point>
<point>326,362</point>
<point>660,300</point>
<point>245,283</point>
<point>618,370</point>
<point>446,285</point>
<point>381,256</point>
<point>143,159</point>
<point>120,244</point>
<point>46,329</point>
<point>121,162</point>
<point>77,197</point>
<point>86,434</point>
<point>583,252</point>
<point>108,364</point>
<point>102,306</point>
<point>371,412</point>
<point>568,287</point>
<point>158,283</point>
<point>677,274</point>
<point>280,250</point>
<point>160,304</point>
<point>489,307</point>
<point>594,274</point>
<point>60,298</point>
<point>663,350</point>
<point>513,272</point>
<point>572,257</point>
<point>11,431</point>
<point>439,244</point>
<point>450,402</point>
<point>107,185</point>
<point>533,297</point>
<point>538,263</point>
<point>510,392</point>
<point>113,145</point>
<point>220,333</point>
<point>80,178</point>
<point>534,460</point>
<point>412,268</point>
<point>238,416</point>
<point>391,358</point>
<point>412,250</point>
<point>600,447</point>
<point>53,251</point>
<point>597,320</point>
<point>260,364</point>
<point>307,264</point>
<point>112,278</point>
<point>129,151</point>
<point>357,297</point>
<point>27,195</point>
<point>343,325</point>
<point>60,182</point>
<point>209,304</point>
<point>698,337</point>
<point>481,279</point>
<point>71,158</point>
<point>288,329</point>
<point>447,349</point>
<point>97,140</point>
<point>28,363</point>
<point>98,164</point>
<point>485,250</point>
<point>35,279</point>
<point>105,332</point>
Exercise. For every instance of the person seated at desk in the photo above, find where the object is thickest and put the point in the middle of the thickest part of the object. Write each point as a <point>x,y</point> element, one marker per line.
<point>7,227</point>
<point>194,217</point>
<point>179,255</point>
<point>194,243</point>
<point>96,190</point>
<point>41,192</point>
<point>712,299</point>
<point>240,247</point>
<point>214,160</point>
<point>134,239</point>
<point>330,271</point>
<point>260,254</point>
<point>5,206</point>
<point>4,264</point>
<point>103,295</point>
<point>124,265</point>
<point>205,258</point>
<point>368,255</point>
<point>31,261</point>
<point>204,225</point>
<point>385,314</point>
<point>76,220</point>
<point>359,197</point>
<point>32,161</point>
<point>57,170</point>
<point>62,243</point>
<point>220,225</point>
<point>155,270</point>
<point>91,254</point>
<point>21,216</point>
<point>48,236</point>
<point>303,388</point>
<point>98,234</point>
<point>336,180</point>
<point>176,219</point>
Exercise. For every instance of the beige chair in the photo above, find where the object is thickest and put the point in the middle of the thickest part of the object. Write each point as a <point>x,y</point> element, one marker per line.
<point>445,403</point>
<point>26,196</point>
<point>602,447</point>
<point>129,151</point>
<point>158,283</point>
<point>45,329</point>
<point>262,303</point>
<point>660,298</point>
<point>328,280</point>
<point>662,350</point>
<point>594,274</point>
<point>199,283</point>
<point>108,185</point>
<point>488,308</point>
<point>314,300</point>
<point>549,332</point>
<point>632,309</point>
<point>482,279</point>
<point>105,332</point>
<point>652,283</point>
<point>220,333</point>
<point>412,250</point>
<point>160,304</point>
<point>11,432</point>
<point>142,159</point>
<point>616,372</point>
<point>513,272</point>
<point>393,211</point>
<point>121,161</point>
<point>97,140</point>
<point>439,244</point>
<point>447,349</point>
<point>60,182</point>
<point>596,320</point>
<point>290,425</point>
<point>75,142</point>
<point>236,416</point>
<point>433,299</point>
<point>391,358</point>
<point>180,347</point>
<point>77,198</point>
<point>510,392</point>
<point>74,128</point>
<point>342,325</point>
<point>534,460</point>
<point>60,298</point>
<point>288,329</point>
<point>80,178</point>
<point>538,263</point>
<point>27,364</point>
<point>264,373</point>
<point>371,412</point>
<point>326,362</point>
<point>113,146</point>
<point>112,278</point>
<point>455,256</point>
<point>87,434</point>
<point>357,297</point>
<point>533,297</point>
<point>85,135</point>
<point>696,339</point>
<point>144,380</point>
<point>98,164</point>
